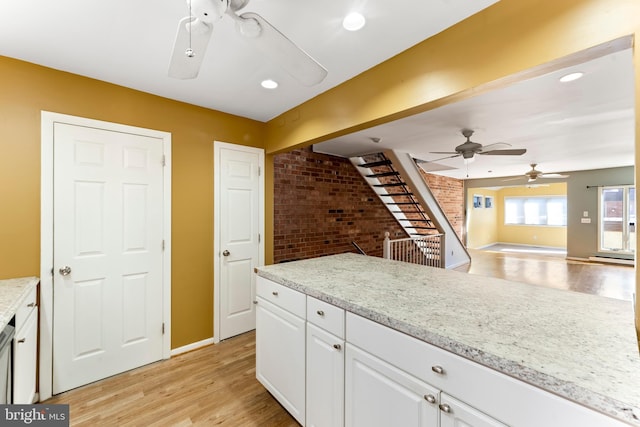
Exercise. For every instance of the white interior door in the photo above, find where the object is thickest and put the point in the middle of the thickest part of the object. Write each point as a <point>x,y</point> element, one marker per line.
<point>239,212</point>
<point>107,253</point>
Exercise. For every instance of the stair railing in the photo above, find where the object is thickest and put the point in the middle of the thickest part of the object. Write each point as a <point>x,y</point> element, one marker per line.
<point>424,250</point>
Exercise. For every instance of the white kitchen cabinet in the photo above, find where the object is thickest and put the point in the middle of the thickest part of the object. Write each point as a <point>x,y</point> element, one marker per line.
<point>25,351</point>
<point>325,378</point>
<point>379,394</point>
<point>280,355</point>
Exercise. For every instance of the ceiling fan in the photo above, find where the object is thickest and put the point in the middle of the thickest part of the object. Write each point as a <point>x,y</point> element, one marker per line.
<point>534,174</point>
<point>194,33</point>
<point>469,148</point>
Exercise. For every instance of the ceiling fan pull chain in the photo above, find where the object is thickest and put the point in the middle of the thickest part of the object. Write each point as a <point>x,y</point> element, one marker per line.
<point>189,52</point>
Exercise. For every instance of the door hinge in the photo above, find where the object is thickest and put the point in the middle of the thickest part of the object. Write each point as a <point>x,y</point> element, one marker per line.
<point>259,170</point>
<point>163,244</point>
<point>162,328</point>
<point>164,160</point>
<point>258,237</point>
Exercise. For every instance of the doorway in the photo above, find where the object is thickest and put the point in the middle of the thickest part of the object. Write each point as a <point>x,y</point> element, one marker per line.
<point>239,236</point>
<point>617,219</point>
<point>105,250</point>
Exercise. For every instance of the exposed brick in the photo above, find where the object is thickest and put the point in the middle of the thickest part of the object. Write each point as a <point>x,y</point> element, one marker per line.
<point>322,204</point>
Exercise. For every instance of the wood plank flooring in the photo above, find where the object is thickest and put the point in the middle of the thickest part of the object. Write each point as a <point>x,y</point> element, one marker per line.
<point>212,386</point>
<point>609,280</point>
<point>216,385</point>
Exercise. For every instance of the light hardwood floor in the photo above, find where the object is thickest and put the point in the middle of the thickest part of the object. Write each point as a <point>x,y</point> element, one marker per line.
<point>609,280</point>
<point>216,385</point>
<point>212,386</point>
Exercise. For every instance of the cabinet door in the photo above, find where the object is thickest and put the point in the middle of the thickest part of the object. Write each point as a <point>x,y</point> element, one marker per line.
<point>379,394</point>
<point>24,361</point>
<point>325,378</point>
<point>280,356</point>
<point>458,414</point>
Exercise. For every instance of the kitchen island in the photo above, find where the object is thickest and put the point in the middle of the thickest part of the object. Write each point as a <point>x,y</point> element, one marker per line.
<point>578,346</point>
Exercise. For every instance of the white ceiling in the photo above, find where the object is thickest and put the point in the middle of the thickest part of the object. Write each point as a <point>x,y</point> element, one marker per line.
<point>585,124</point>
<point>129,42</point>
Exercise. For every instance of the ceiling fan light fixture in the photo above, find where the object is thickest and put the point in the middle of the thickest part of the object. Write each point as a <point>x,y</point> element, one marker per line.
<point>468,160</point>
<point>269,84</point>
<point>571,77</point>
<point>354,21</point>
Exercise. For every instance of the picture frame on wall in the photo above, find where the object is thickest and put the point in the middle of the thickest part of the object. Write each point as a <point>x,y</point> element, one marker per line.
<point>488,202</point>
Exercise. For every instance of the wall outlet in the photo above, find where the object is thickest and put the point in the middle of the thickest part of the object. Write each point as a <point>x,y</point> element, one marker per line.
<point>585,220</point>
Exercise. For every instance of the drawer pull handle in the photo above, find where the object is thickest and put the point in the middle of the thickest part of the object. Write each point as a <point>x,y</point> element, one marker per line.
<point>445,408</point>
<point>430,398</point>
<point>255,301</point>
<point>274,293</point>
<point>22,340</point>
<point>320,313</point>
<point>337,346</point>
<point>31,304</point>
<point>438,369</point>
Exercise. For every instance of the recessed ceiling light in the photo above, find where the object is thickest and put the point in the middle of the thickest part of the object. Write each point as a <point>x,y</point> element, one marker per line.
<point>353,21</point>
<point>269,84</point>
<point>571,77</point>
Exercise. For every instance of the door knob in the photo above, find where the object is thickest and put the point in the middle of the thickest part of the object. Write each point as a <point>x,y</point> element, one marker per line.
<point>65,271</point>
<point>226,253</point>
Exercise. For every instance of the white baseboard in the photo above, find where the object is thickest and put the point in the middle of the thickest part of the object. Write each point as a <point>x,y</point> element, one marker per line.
<point>612,260</point>
<point>191,347</point>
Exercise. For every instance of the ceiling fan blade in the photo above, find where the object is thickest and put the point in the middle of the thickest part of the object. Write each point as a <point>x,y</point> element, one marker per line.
<point>283,51</point>
<point>553,175</point>
<point>518,178</point>
<point>183,66</point>
<point>505,144</point>
<point>437,160</point>
<point>444,152</point>
<point>511,152</point>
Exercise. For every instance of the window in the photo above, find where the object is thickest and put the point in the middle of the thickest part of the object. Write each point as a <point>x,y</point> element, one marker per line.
<point>538,210</point>
<point>477,201</point>
<point>617,219</point>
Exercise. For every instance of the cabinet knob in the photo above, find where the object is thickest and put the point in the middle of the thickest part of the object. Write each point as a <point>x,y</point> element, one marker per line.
<point>22,340</point>
<point>430,398</point>
<point>320,313</point>
<point>31,304</point>
<point>274,293</point>
<point>445,408</point>
<point>337,346</point>
<point>438,369</point>
<point>255,301</point>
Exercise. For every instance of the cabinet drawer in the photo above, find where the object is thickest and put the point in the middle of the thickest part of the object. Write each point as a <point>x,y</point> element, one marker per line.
<point>326,316</point>
<point>27,306</point>
<point>286,298</point>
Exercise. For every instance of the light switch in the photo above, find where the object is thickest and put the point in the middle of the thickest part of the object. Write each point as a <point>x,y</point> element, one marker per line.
<point>585,214</point>
<point>585,220</point>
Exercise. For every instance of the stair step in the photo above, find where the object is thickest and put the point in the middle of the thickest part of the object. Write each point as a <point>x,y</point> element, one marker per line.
<point>374,164</point>
<point>416,227</point>
<point>395,194</point>
<point>403,203</point>
<point>414,220</point>
<point>392,184</point>
<point>383,174</point>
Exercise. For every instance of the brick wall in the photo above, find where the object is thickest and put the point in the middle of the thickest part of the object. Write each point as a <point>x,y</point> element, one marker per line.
<point>322,204</point>
<point>449,192</point>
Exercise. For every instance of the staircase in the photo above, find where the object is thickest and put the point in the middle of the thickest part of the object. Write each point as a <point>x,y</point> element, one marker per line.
<point>409,200</point>
<point>379,172</point>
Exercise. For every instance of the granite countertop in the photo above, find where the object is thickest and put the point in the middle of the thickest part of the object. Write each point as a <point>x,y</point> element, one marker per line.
<point>13,293</point>
<point>579,346</point>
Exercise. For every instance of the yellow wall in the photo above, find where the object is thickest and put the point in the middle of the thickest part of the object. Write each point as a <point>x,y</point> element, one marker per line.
<point>506,38</point>
<point>26,89</point>
<point>527,234</point>
<point>482,223</point>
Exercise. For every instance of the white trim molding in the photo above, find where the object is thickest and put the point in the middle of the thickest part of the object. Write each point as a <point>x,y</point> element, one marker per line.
<point>48,119</point>
<point>193,346</point>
